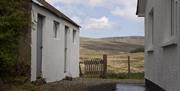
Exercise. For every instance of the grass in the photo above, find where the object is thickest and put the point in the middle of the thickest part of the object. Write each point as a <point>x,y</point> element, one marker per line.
<point>24,87</point>
<point>109,45</point>
<point>118,64</point>
<point>125,76</point>
<point>19,84</point>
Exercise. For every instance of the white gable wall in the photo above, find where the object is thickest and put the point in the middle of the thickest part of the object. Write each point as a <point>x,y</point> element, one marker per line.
<point>53,49</point>
<point>162,58</point>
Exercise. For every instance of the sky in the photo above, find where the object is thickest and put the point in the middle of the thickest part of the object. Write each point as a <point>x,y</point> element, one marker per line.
<point>103,18</point>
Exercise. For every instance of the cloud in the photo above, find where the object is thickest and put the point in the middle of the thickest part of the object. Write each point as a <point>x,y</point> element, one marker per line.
<point>77,20</point>
<point>126,9</point>
<point>128,13</point>
<point>102,17</point>
<point>67,2</point>
<point>98,23</point>
<point>52,1</point>
<point>92,3</point>
<point>121,8</point>
<point>95,2</point>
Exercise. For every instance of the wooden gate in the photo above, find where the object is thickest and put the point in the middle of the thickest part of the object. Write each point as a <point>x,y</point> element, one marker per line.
<point>95,67</point>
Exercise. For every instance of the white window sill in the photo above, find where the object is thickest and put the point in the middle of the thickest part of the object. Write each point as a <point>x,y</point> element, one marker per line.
<point>150,49</point>
<point>170,42</point>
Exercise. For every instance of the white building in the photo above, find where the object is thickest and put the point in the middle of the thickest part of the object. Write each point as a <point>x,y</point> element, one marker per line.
<point>54,45</point>
<point>162,45</point>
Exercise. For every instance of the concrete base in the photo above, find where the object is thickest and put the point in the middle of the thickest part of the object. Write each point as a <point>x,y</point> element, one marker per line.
<point>152,86</point>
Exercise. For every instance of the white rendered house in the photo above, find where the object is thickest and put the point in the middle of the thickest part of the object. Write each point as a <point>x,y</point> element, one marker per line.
<point>54,43</point>
<point>162,43</point>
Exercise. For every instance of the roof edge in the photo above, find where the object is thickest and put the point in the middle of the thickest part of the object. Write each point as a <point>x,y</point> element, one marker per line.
<point>55,11</point>
<point>141,4</point>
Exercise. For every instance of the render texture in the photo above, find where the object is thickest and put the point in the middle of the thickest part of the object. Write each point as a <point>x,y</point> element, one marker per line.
<point>57,44</point>
<point>162,35</point>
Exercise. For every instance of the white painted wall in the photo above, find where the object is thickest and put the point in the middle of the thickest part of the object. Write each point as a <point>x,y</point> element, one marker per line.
<point>53,49</point>
<point>162,64</point>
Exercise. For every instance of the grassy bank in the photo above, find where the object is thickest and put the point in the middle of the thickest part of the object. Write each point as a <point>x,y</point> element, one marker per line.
<point>139,76</point>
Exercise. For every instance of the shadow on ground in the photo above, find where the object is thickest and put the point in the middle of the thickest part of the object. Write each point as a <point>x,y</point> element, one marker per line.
<point>96,85</point>
<point>81,85</point>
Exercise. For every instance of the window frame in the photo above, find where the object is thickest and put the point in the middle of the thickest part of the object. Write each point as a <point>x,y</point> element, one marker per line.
<point>172,40</point>
<point>56,26</point>
<point>151,16</point>
<point>150,30</point>
<point>74,35</point>
<point>172,18</point>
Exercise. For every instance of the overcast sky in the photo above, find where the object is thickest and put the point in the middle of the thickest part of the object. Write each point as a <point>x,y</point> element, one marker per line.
<point>103,18</point>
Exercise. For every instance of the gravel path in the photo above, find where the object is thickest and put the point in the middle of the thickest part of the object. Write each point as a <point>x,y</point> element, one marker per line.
<point>87,85</point>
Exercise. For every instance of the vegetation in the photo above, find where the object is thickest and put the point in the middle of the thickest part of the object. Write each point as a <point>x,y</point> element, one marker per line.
<point>14,26</point>
<point>118,63</point>
<point>117,50</point>
<point>27,86</point>
<point>125,76</point>
<point>137,50</point>
<point>112,45</point>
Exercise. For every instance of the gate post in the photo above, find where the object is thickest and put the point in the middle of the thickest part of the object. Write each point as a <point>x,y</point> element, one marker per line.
<point>105,65</point>
<point>129,67</point>
<point>80,71</point>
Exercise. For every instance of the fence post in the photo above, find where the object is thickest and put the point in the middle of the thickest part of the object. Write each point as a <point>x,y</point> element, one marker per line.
<point>129,67</point>
<point>80,71</point>
<point>105,65</point>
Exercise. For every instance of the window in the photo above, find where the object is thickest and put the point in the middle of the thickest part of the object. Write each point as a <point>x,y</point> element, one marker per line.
<point>74,36</point>
<point>55,30</point>
<point>170,35</point>
<point>174,8</point>
<point>66,39</point>
<point>150,30</point>
<point>151,27</point>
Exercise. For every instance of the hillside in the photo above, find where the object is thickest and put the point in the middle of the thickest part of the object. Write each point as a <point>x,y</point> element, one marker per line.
<point>111,45</point>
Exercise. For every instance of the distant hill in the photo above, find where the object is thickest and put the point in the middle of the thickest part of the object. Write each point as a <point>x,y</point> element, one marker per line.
<point>139,40</point>
<point>110,45</point>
